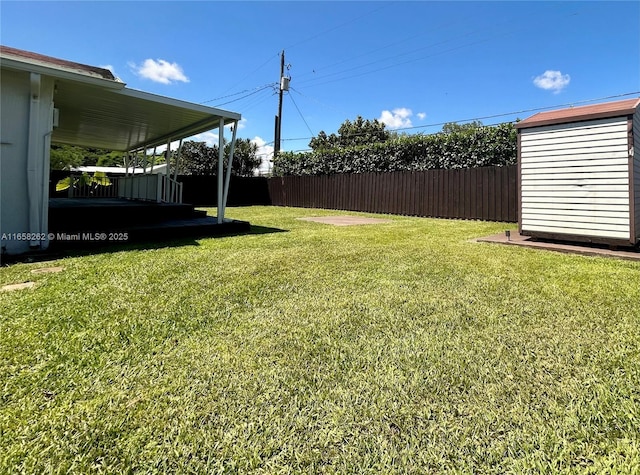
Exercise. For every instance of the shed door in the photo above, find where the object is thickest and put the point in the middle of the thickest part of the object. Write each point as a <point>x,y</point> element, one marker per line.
<point>575,179</point>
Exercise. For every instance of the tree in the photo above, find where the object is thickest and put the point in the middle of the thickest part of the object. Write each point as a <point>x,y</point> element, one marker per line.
<point>451,127</point>
<point>197,158</point>
<point>323,141</point>
<point>65,157</point>
<point>245,157</point>
<point>350,134</point>
<point>110,159</point>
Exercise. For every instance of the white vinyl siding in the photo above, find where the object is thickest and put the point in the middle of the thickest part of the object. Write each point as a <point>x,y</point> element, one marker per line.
<point>575,179</point>
<point>14,199</point>
<point>25,127</point>
<point>636,170</point>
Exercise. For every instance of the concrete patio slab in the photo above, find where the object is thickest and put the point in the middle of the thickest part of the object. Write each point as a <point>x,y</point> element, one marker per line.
<point>573,248</point>
<point>345,220</point>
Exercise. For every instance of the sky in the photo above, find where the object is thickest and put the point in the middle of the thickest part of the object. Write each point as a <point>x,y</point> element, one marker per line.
<point>414,65</point>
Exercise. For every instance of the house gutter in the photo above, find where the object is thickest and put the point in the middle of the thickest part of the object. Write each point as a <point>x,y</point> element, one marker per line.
<point>33,149</point>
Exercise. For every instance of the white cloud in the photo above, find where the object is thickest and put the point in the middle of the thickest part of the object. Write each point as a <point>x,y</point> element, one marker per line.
<point>552,81</point>
<point>163,148</point>
<point>396,119</point>
<point>160,71</point>
<point>265,152</point>
<point>210,137</point>
<point>242,124</point>
<point>421,115</point>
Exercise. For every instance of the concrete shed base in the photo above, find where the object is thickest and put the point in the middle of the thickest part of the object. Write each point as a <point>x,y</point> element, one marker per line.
<point>584,249</point>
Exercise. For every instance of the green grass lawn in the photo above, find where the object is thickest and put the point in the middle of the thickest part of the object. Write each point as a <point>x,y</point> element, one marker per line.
<point>393,348</point>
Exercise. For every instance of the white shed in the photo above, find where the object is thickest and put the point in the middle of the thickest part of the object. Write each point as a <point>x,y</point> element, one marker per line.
<point>579,178</point>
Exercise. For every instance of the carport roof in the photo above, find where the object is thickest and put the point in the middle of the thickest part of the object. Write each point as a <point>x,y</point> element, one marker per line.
<point>97,110</point>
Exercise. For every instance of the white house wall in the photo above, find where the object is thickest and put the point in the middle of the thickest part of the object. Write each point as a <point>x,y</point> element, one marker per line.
<point>16,218</point>
<point>636,170</point>
<point>575,179</point>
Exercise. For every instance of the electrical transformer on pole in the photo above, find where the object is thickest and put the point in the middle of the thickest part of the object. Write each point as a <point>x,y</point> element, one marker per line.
<point>283,85</point>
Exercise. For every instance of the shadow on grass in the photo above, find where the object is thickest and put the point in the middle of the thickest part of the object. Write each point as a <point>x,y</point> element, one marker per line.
<point>83,248</point>
<point>265,230</point>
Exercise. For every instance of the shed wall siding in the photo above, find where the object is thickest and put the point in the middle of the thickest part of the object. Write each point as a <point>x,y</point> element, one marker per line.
<point>575,179</point>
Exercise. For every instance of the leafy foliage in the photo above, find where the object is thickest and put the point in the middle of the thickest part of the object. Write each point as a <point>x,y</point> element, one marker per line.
<point>197,158</point>
<point>463,147</point>
<point>93,181</point>
<point>350,134</point>
<point>66,157</point>
<point>245,158</point>
<point>452,127</point>
<point>110,159</point>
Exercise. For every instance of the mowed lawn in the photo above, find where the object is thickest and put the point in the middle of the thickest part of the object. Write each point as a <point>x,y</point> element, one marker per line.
<point>393,348</point>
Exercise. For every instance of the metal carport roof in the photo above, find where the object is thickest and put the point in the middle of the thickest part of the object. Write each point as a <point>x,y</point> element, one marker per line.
<point>97,110</point>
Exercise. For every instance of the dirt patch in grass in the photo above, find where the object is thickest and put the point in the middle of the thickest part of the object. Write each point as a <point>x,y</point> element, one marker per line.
<point>47,270</point>
<point>12,287</point>
<point>345,220</point>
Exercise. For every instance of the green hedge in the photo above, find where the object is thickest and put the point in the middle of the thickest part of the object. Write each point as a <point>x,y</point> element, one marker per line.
<point>477,147</point>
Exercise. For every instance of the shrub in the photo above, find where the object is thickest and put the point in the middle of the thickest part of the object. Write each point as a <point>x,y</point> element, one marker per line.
<point>464,148</point>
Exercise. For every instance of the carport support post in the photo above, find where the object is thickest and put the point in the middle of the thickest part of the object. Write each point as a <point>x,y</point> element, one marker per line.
<point>175,172</point>
<point>167,171</point>
<point>144,160</point>
<point>220,170</point>
<point>153,160</point>
<point>229,166</point>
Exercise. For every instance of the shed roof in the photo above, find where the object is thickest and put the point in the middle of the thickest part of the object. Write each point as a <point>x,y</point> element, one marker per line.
<point>575,114</point>
<point>97,110</point>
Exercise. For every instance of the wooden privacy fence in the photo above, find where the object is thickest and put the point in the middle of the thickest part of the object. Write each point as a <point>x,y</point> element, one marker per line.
<point>488,194</point>
<point>475,193</point>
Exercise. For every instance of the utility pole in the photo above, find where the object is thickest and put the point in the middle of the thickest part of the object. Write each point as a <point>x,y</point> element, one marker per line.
<point>283,85</point>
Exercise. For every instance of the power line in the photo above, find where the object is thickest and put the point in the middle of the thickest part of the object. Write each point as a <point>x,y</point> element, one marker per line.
<point>322,33</point>
<point>313,81</point>
<point>257,88</point>
<point>350,59</point>
<point>255,91</point>
<point>278,54</point>
<point>317,101</point>
<point>379,60</point>
<point>247,76</point>
<point>494,116</point>
<point>301,116</point>
<point>257,100</point>
<point>310,82</point>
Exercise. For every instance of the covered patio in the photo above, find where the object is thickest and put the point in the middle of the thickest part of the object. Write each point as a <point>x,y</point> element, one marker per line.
<point>82,105</point>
